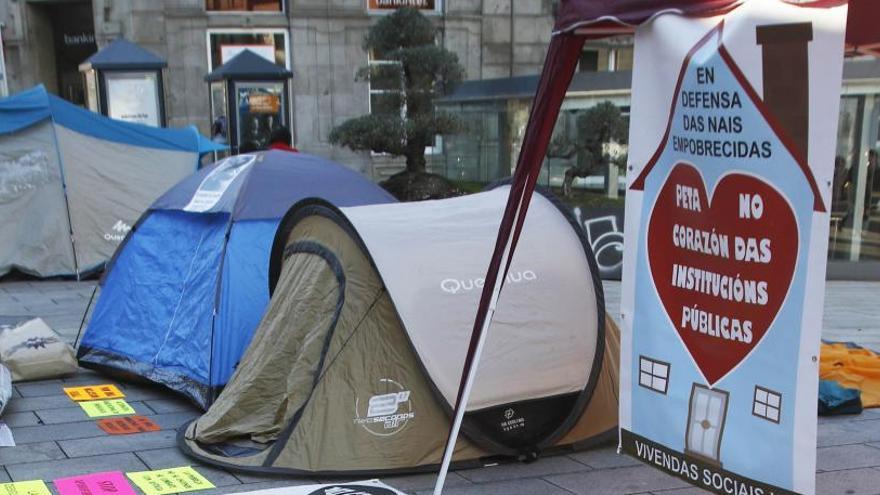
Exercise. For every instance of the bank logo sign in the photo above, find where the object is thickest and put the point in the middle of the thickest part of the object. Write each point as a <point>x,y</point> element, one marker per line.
<point>387,412</point>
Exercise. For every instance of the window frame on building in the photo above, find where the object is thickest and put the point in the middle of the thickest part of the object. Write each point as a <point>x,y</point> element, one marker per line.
<point>437,147</point>
<point>281,3</point>
<point>766,405</point>
<point>653,375</point>
<point>237,30</point>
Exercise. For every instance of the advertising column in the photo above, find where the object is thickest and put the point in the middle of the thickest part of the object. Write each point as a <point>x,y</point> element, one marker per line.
<point>732,153</point>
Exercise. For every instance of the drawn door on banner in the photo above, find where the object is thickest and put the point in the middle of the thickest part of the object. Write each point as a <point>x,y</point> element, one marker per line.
<point>726,221</point>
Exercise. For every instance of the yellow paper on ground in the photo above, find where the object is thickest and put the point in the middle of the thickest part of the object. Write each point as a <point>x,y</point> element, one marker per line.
<point>94,392</point>
<point>167,481</point>
<point>35,487</point>
<point>104,408</point>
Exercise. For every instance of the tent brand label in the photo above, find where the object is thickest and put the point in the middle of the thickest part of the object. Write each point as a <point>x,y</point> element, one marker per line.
<point>512,421</point>
<point>95,484</point>
<point>104,408</point>
<point>35,487</point>
<point>454,285</point>
<point>722,265</point>
<point>94,392</point>
<point>168,481</point>
<point>117,232</point>
<point>127,425</point>
<point>387,413</point>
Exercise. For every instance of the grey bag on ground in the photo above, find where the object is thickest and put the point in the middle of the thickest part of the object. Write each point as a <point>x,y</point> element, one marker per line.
<point>33,351</point>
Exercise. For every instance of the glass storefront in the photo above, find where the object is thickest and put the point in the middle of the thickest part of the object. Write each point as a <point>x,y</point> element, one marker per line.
<point>855,212</point>
<point>487,149</point>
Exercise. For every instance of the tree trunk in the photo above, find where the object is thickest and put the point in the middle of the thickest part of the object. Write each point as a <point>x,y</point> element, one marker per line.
<point>415,157</point>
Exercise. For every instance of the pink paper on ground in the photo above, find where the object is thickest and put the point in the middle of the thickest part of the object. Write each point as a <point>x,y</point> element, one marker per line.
<point>95,484</point>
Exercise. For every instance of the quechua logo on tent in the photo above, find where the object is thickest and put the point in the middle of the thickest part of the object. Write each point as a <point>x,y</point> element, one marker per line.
<point>454,285</point>
<point>386,411</point>
<point>119,230</point>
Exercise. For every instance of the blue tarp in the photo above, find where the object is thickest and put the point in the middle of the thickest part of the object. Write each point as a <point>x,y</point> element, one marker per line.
<point>35,105</point>
<point>181,300</point>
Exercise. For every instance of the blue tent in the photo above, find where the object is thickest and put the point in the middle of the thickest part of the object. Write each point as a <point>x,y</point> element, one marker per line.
<point>72,181</point>
<point>183,295</point>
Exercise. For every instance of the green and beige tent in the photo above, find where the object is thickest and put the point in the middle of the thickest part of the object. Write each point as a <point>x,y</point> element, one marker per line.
<point>357,361</point>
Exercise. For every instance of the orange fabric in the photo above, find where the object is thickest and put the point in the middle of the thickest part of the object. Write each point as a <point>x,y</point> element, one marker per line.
<point>852,368</point>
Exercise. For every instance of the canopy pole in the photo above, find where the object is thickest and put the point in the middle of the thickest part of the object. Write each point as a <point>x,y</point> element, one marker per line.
<point>466,393</point>
<point>559,65</point>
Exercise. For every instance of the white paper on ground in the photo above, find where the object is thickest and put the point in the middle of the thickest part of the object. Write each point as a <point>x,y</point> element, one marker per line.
<point>6,439</point>
<point>369,487</point>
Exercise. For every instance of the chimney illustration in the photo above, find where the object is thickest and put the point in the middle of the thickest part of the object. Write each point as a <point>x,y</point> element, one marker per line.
<point>786,78</point>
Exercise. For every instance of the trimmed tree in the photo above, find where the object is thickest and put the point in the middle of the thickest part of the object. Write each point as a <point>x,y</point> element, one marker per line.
<point>413,71</point>
<point>597,127</point>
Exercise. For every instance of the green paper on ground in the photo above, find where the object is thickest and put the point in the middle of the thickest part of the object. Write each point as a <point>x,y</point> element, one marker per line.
<point>104,408</point>
<point>35,487</point>
<point>167,481</point>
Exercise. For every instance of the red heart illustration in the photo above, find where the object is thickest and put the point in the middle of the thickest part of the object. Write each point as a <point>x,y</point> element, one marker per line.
<point>722,267</point>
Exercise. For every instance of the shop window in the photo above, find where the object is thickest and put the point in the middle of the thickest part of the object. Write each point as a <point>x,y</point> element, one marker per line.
<point>244,5</point>
<point>589,61</point>
<point>767,404</point>
<point>654,375</point>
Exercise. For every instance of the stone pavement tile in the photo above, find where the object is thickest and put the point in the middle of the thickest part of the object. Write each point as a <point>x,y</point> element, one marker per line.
<point>865,481</point>
<point>64,431</point>
<point>75,413</point>
<point>532,486</point>
<point>119,443</point>
<point>51,388</point>
<point>44,451</point>
<point>510,471</point>
<point>20,419</point>
<point>88,428</point>
<point>873,413</point>
<point>40,388</point>
<point>171,405</point>
<point>170,457</point>
<point>173,421</point>
<point>49,470</point>
<point>413,482</point>
<point>636,479</point>
<point>35,403</point>
<point>683,491</point>
<point>604,458</point>
<point>849,432</point>
<point>4,476</point>
<point>847,457</point>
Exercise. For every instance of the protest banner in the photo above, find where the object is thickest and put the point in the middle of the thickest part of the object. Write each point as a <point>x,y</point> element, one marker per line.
<point>730,167</point>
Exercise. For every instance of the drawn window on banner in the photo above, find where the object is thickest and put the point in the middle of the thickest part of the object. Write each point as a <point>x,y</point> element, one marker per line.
<point>654,374</point>
<point>708,409</point>
<point>215,184</point>
<point>767,404</point>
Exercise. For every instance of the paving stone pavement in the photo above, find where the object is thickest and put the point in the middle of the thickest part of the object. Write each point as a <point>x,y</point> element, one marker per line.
<point>55,438</point>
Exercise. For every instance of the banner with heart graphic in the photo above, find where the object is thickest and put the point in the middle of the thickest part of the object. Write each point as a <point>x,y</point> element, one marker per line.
<point>730,157</point>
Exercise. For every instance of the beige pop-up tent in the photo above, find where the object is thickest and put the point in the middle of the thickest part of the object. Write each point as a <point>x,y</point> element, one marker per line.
<point>356,364</point>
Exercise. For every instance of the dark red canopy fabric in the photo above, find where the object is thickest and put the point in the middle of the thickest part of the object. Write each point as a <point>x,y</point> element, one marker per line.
<point>578,20</point>
<point>596,18</point>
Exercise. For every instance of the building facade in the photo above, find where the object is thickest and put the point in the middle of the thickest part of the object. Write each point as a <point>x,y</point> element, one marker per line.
<point>320,41</point>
